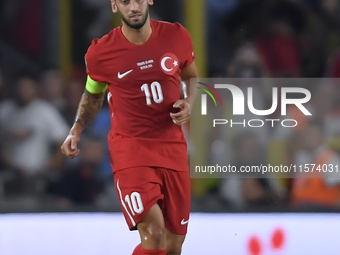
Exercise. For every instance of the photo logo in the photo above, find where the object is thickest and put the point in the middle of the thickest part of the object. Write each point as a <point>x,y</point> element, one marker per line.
<point>238,102</point>
<point>204,97</point>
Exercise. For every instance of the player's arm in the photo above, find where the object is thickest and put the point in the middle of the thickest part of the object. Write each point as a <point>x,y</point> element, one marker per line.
<point>89,106</point>
<point>183,116</point>
<point>188,73</point>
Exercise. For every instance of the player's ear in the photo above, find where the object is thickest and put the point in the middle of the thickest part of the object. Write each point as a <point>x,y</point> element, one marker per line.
<point>150,2</point>
<point>114,6</point>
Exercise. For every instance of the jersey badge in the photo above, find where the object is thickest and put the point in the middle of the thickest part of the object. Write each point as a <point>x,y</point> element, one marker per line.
<point>169,63</point>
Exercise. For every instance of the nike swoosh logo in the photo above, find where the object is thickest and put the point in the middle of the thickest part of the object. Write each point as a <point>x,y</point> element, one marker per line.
<point>121,76</point>
<point>183,222</point>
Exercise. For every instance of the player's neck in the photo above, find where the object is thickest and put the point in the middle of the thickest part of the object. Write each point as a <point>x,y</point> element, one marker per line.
<point>138,36</point>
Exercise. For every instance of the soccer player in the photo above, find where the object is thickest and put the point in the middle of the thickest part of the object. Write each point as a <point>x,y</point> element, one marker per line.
<point>140,64</point>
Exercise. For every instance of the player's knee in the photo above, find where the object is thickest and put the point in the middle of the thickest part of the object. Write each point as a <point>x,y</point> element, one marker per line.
<point>155,235</point>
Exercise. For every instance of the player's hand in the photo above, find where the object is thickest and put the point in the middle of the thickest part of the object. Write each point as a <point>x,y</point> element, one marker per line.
<point>69,147</point>
<point>183,116</point>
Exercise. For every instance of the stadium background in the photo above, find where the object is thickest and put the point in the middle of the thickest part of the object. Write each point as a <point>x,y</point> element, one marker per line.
<point>46,41</point>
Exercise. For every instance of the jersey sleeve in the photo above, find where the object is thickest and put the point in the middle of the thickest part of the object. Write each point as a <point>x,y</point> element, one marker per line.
<point>187,47</point>
<point>93,63</point>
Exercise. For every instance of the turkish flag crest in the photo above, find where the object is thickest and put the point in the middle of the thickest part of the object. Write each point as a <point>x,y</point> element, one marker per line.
<point>169,63</point>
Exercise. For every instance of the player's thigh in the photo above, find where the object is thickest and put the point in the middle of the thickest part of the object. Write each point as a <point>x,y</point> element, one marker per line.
<point>176,202</point>
<point>174,242</point>
<point>138,189</point>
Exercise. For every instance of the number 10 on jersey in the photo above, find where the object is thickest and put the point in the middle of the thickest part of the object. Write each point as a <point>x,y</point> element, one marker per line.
<point>156,91</point>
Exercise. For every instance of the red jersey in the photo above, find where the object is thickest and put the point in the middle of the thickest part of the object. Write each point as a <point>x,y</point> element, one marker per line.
<point>143,86</point>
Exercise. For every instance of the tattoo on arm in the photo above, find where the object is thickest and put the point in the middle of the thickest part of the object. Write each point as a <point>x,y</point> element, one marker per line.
<point>88,108</point>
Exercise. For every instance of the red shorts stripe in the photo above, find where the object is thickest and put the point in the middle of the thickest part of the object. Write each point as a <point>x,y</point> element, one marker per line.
<point>123,204</point>
<point>140,188</point>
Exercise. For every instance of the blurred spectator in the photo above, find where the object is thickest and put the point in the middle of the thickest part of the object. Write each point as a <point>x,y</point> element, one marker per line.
<point>21,25</point>
<point>81,184</point>
<point>74,90</point>
<point>247,66</point>
<point>100,127</point>
<point>323,26</point>
<point>246,192</point>
<point>278,41</point>
<point>3,96</point>
<point>3,89</point>
<point>101,22</point>
<point>168,10</point>
<point>53,87</point>
<point>329,12</point>
<point>320,186</point>
<point>247,63</point>
<point>334,67</point>
<point>219,48</point>
<point>325,107</point>
<point>31,130</point>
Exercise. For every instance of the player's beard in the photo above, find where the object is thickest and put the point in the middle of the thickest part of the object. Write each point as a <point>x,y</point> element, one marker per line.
<point>138,25</point>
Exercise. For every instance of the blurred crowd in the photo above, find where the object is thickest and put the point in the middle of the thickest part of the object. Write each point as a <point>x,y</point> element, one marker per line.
<point>245,38</point>
<point>35,117</point>
<point>276,39</point>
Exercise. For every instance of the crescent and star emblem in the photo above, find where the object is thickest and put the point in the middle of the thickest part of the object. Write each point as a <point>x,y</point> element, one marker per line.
<point>169,63</point>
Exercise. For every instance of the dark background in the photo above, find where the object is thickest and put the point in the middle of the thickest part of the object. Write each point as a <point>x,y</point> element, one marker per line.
<point>44,41</point>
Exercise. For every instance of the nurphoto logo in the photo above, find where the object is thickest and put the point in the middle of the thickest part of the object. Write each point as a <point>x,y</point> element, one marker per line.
<point>238,105</point>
